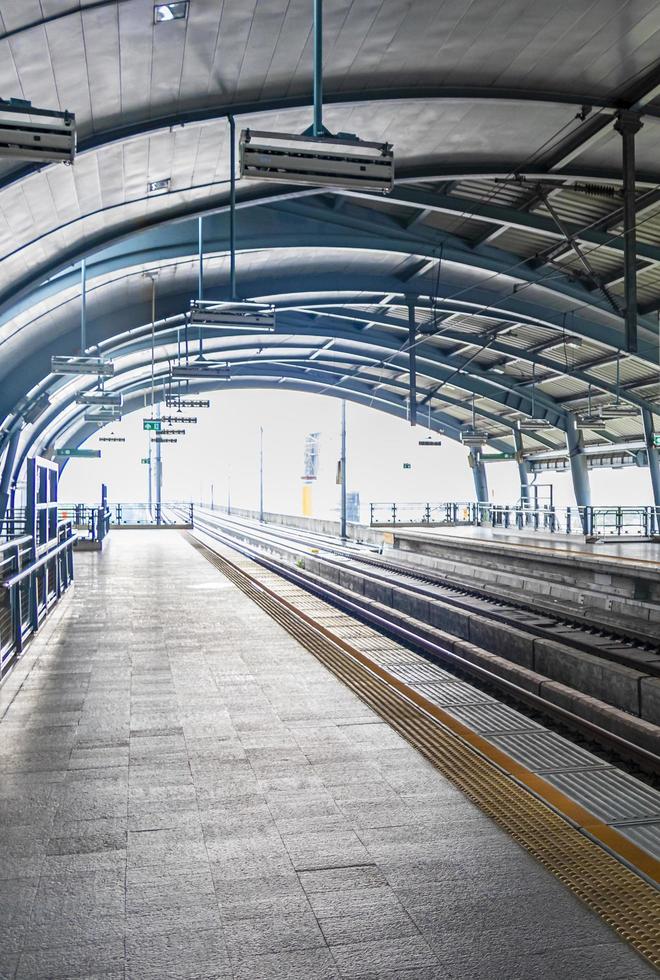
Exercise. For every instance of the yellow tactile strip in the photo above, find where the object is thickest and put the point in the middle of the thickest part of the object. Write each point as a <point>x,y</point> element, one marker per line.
<point>625,901</point>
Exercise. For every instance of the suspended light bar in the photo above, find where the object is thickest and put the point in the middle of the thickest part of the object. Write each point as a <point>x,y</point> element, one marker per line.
<point>64,364</point>
<point>106,399</point>
<point>474,438</point>
<point>201,369</point>
<point>618,411</point>
<point>328,161</point>
<point>589,422</point>
<point>531,425</point>
<point>172,402</point>
<point>53,140</point>
<point>101,416</point>
<point>237,316</point>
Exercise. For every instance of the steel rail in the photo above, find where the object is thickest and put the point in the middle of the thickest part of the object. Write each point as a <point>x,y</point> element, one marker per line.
<point>648,761</point>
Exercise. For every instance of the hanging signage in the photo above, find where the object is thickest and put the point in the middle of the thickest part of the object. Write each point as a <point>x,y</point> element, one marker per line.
<point>656,440</point>
<point>151,425</point>
<point>495,457</point>
<point>70,451</point>
<point>407,466</point>
<point>146,461</point>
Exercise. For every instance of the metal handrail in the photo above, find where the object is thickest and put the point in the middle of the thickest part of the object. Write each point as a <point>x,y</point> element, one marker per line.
<point>40,562</point>
<point>613,519</point>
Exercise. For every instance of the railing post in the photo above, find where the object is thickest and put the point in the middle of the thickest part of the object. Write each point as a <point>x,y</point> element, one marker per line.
<point>428,513</point>
<point>393,513</point>
<point>192,514</point>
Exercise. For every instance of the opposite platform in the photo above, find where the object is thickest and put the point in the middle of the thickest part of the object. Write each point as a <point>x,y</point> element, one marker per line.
<point>186,792</point>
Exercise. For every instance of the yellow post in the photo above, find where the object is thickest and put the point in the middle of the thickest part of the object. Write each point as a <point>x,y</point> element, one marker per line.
<point>307,499</point>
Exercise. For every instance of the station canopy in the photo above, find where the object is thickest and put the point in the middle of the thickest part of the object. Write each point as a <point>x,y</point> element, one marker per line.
<point>498,257</point>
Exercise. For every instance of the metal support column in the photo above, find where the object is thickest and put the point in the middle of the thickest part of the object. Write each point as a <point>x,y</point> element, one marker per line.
<point>83,306</point>
<point>232,207</point>
<point>200,274</point>
<point>479,474</point>
<point>342,465</point>
<point>8,472</point>
<point>627,124</point>
<point>261,474</point>
<point>578,461</point>
<point>523,473</point>
<point>159,476</point>
<point>653,454</point>
<point>412,362</point>
<point>319,129</point>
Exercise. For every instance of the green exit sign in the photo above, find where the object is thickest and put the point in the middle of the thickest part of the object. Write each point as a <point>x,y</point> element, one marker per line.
<point>656,440</point>
<point>146,461</point>
<point>407,466</point>
<point>70,451</point>
<point>151,425</point>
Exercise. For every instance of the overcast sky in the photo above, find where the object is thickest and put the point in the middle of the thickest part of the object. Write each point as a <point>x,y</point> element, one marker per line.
<point>224,446</point>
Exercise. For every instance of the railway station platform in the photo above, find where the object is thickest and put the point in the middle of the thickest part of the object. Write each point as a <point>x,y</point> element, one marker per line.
<point>629,553</point>
<point>188,792</point>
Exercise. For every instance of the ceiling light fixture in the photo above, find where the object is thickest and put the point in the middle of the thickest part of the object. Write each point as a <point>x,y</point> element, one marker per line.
<point>239,316</point>
<point>65,364</point>
<point>164,12</point>
<point>52,139</point>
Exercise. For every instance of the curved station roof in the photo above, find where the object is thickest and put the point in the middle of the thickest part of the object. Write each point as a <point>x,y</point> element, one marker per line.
<point>513,270</point>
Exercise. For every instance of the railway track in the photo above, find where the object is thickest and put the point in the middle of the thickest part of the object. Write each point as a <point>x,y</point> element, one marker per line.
<point>617,647</point>
<point>625,745</point>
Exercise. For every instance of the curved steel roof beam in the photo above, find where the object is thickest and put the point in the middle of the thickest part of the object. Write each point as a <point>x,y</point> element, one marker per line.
<point>346,378</point>
<point>303,381</point>
<point>430,362</point>
<point>167,237</point>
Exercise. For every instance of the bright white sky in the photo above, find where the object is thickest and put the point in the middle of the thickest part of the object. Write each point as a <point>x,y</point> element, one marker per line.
<point>225,444</point>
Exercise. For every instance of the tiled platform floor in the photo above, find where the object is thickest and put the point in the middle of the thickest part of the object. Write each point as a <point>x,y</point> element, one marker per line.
<point>186,793</point>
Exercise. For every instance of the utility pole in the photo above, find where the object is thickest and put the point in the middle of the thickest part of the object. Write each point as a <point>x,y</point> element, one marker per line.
<point>342,466</point>
<point>159,475</point>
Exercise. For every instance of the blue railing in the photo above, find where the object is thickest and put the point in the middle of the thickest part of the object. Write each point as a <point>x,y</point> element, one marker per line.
<point>32,580</point>
<point>620,521</point>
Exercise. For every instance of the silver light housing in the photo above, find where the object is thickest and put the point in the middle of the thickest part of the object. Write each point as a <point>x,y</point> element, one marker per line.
<point>50,140</point>
<point>105,399</point>
<point>531,425</point>
<point>328,161</point>
<point>201,369</point>
<point>243,316</point>
<point>65,364</point>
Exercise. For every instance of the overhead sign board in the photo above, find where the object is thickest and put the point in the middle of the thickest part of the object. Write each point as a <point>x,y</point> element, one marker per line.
<point>70,451</point>
<point>146,461</point>
<point>407,466</point>
<point>656,440</point>
<point>151,425</point>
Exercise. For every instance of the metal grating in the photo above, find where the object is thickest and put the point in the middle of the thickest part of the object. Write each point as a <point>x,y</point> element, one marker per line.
<point>545,752</point>
<point>495,718</point>
<point>610,794</point>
